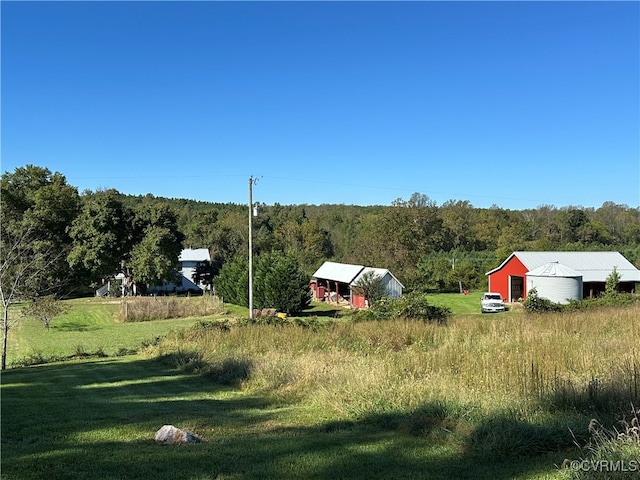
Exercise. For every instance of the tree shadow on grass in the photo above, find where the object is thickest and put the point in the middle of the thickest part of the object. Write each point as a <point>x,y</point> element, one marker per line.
<point>69,327</point>
<point>97,419</point>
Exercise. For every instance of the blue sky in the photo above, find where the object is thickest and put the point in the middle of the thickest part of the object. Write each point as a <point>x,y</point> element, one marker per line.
<point>517,104</point>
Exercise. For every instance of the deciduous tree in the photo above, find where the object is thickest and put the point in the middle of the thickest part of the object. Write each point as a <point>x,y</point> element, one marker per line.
<point>370,286</point>
<point>45,309</point>
<point>102,235</point>
<point>35,210</point>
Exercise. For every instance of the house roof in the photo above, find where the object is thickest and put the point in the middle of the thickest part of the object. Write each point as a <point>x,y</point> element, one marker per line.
<point>338,272</point>
<point>593,266</point>
<point>194,255</point>
<point>379,272</point>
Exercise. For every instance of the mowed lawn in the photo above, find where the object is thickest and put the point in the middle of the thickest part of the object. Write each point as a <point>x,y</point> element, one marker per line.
<point>89,326</point>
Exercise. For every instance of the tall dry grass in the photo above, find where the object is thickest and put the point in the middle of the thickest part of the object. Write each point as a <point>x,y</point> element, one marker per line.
<point>527,365</point>
<point>142,309</point>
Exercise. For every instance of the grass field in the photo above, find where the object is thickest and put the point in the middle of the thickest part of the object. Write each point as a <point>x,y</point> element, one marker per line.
<point>486,396</point>
<point>97,419</point>
<point>91,326</point>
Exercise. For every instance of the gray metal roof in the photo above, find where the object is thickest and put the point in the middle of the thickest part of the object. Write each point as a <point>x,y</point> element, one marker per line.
<point>194,255</point>
<point>338,272</point>
<point>593,266</point>
<point>553,269</point>
<point>379,273</point>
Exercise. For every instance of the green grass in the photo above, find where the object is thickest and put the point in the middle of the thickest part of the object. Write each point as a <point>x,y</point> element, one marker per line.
<point>97,419</point>
<point>490,396</point>
<point>460,304</point>
<point>90,326</point>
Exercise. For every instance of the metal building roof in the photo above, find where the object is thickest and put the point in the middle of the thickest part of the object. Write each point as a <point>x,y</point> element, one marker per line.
<point>194,255</point>
<point>338,272</point>
<point>553,269</point>
<point>594,266</point>
<point>379,273</point>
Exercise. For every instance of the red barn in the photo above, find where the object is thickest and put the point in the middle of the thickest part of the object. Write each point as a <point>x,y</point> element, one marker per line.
<point>509,279</point>
<point>335,283</point>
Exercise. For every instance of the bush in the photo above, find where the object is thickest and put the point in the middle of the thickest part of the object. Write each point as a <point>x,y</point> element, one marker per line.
<point>232,284</point>
<point>411,306</point>
<point>618,300</point>
<point>534,303</point>
<point>281,284</point>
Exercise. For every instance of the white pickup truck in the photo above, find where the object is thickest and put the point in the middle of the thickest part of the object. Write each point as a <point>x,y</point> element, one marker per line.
<point>492,302</point>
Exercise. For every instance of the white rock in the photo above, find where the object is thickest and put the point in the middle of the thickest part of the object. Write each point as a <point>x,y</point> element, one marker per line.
<point>170,435</point>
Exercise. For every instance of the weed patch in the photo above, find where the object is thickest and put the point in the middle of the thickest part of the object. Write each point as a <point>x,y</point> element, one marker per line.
<point>144,309</point>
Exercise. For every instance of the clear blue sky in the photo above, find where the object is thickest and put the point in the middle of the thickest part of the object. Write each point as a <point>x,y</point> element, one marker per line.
<point>517,104</point>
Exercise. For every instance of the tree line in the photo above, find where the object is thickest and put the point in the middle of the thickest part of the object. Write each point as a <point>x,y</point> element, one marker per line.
<point>55,241</point>
<point>86,237</point>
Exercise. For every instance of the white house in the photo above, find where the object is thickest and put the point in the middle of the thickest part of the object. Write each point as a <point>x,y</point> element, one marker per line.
<point>188,261</point>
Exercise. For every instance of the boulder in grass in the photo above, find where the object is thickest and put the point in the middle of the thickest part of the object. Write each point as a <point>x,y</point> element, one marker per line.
<point>170,435</point>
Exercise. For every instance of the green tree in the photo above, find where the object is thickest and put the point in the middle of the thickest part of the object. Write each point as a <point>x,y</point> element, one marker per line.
<point>45,309</point>
<point>154,257</point>
<point>231,237</point>
<point>456,219</point>
<point>399,236</point>
<point>611,284</point>
<point>280,283</point>
<point>370,286</point>
<point>39,202</point>
<point>489,222</point>
<point>109,236</point>
<point>102,235</point>
<point>232,284</point>
<point>35,210</point>
<point>22,270</point>
<point>203,274</point>
<point>304,239</point>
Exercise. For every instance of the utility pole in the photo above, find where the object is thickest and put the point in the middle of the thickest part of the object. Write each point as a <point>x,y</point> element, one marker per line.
<point>251,182</point>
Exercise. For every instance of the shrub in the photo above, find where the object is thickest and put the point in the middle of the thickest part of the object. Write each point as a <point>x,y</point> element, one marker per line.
<point>618,300</point>
<point>534,303</point>
<point>611,284</point>
<point>411,306</point>
<point>232,283</point>
<point>281,284</point>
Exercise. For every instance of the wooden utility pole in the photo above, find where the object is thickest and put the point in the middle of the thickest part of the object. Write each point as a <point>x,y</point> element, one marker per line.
<point>251,183</point>
<point>250,248</point>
